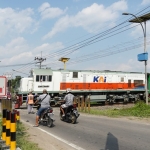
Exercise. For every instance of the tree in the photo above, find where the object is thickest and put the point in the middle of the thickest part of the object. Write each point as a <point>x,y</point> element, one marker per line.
<point>15,83</point>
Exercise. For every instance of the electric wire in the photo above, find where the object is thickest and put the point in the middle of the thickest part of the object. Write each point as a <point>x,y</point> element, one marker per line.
<point>85,44</point>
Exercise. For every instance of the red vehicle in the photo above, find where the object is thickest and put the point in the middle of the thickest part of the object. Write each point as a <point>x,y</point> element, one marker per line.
<point>8,95</point>
<point>3,87</point>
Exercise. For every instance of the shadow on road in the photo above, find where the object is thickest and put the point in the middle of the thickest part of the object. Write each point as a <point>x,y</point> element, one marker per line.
<point>111,143</point>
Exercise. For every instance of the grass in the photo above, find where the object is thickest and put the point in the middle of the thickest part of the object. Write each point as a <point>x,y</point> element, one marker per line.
<point>140,109</point>
<point>22,138</point>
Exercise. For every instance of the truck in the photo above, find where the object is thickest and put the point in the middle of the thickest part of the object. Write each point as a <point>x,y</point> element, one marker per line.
<point>3,87</point>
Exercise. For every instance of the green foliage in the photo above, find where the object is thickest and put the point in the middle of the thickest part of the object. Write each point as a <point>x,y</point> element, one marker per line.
<point>15,83</point>
<point>23,139</point>
<point>139,110</point>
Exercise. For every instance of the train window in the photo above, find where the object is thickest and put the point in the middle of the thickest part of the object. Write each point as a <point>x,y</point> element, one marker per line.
<point>49,78</point>
<point>37,78</point>
<point>75,74</point>
<point>138,83</point>
<point>122,79</point>
<point>41,78</point>
<point>44,79</point>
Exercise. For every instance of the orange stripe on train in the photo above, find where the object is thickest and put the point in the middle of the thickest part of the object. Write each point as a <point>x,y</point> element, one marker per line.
<point>92,86</point>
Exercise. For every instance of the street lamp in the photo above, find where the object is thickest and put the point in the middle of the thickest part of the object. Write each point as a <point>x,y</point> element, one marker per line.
<point>141,19</point>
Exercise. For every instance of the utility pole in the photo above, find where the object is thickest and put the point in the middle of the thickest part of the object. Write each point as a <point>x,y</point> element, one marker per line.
<point>143,56</point>
<point>40,60</point>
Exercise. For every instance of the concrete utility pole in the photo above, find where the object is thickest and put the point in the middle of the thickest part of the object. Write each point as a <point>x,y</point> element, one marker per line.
<point>143,56</point>
<point>40,60</point>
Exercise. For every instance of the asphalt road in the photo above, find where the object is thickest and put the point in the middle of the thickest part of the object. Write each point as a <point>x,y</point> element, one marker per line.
<point>98,133</point>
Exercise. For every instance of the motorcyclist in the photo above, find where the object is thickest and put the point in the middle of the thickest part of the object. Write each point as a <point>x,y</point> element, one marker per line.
<point>68,99</point>
<point>44,100</point>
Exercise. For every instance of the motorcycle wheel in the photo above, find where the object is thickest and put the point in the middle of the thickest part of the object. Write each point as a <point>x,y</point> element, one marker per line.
<point>73,119</point>
<point>49,122</point>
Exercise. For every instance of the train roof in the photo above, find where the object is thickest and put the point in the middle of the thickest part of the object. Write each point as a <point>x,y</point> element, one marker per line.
<point>43,71</point>
<point>49,71</point>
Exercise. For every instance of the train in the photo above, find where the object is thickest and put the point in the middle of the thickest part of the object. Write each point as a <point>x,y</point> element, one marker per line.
<point>102,86</point>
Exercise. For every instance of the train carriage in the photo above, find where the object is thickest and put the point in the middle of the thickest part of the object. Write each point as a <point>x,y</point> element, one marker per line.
<point>108,86</point>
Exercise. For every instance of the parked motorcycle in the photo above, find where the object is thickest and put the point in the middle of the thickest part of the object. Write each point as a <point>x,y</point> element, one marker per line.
<point>71,114</point>
<point>47,117</point>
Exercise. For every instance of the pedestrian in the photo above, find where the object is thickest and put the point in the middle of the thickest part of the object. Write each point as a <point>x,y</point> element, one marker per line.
<point>30,103</point>
<point>44,100</point>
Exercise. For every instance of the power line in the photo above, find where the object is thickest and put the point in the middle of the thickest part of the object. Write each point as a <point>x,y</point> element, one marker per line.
<point>15,65</point>
<point>89,41</point>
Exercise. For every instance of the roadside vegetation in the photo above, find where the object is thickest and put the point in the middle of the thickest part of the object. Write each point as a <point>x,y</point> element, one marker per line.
<point>140,109</point>
<point>22,137</point>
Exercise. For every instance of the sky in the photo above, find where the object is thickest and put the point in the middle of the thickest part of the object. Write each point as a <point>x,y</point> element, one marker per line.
<point>93,34</point>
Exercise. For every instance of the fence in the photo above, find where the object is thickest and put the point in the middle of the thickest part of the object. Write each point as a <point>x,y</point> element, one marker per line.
<point>83,103</point>
<point>9,119</point>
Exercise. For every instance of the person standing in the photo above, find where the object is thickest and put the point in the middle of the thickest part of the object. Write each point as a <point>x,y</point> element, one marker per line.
<point>44,100</point>
<point>30,103</point>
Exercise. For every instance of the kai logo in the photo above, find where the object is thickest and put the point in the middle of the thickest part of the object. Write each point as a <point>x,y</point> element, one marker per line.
<point>99,79</point>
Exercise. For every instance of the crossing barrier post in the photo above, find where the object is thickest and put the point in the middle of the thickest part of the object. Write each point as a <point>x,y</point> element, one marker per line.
<point>79,103</point>
<point>89,104</point>
<point>18,116</point>
<point>7,104</point>
<point>82,102</point>
<point>10,105</point>
<point>13,131</point>
<point>8,118</point>
<point>4,125</point>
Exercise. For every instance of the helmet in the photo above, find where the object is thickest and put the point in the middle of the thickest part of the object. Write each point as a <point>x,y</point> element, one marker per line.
<point>68,90</point>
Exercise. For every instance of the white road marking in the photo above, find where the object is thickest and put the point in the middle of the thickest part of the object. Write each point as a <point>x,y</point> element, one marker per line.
<point>58,138</point>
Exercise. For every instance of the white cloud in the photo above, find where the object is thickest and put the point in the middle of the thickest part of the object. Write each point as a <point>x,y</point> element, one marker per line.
<point>61,25</point>
<point>48,12</point>
<point>14,47</point>
<point>145,2</point>
<point>91,18</point>
<point>124,66</point>
<point>15,21</point>
<point>139,31</point>
<point>46,48</point>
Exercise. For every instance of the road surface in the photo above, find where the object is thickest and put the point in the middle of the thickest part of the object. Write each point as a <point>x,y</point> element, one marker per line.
<point>90,133</point>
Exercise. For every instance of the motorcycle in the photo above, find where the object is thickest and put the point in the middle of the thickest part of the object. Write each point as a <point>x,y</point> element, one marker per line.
<point>47,117</point>
<point>71,114</point>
